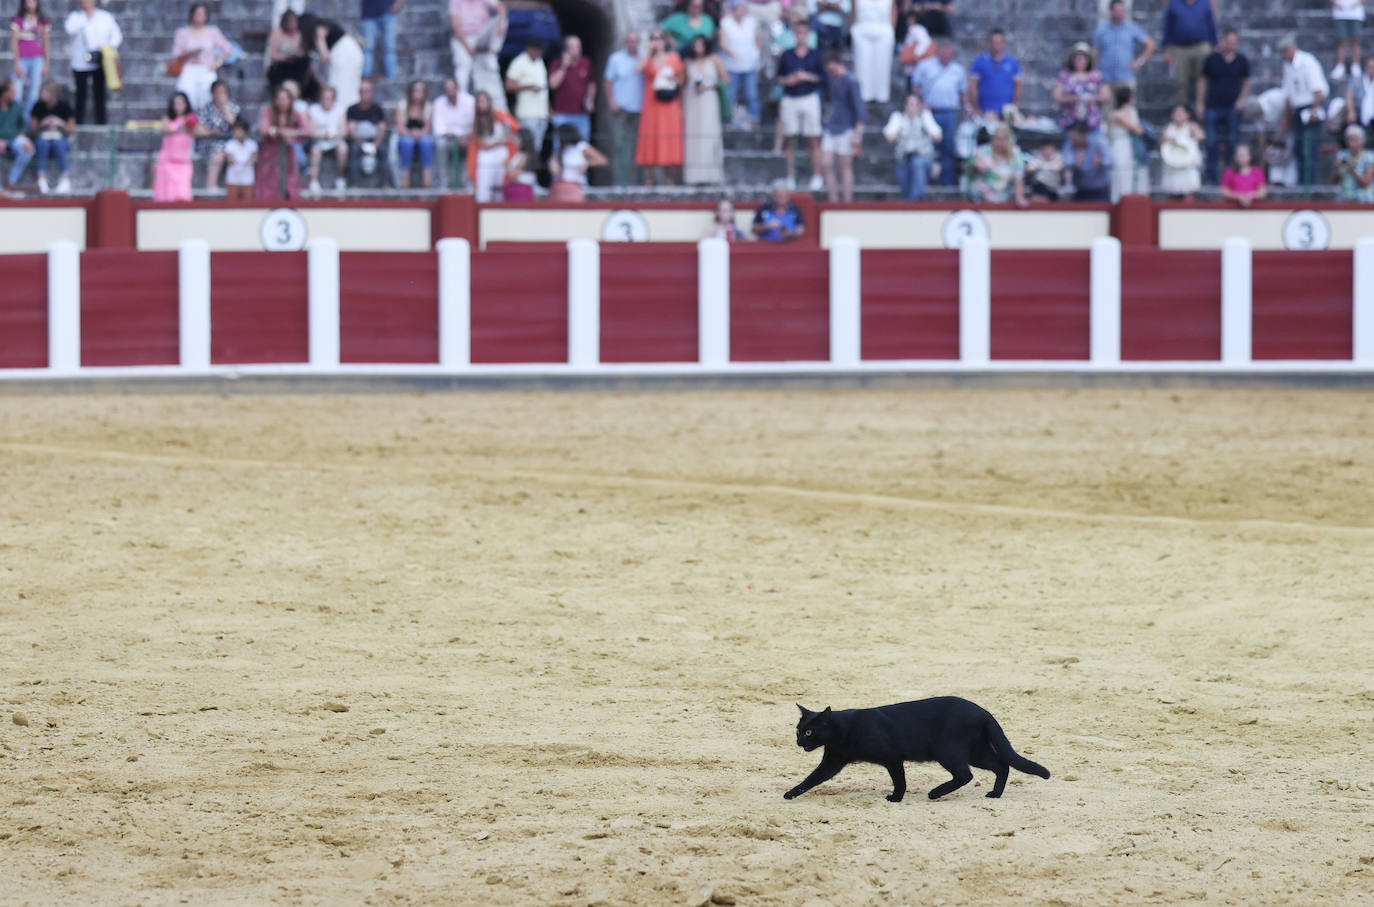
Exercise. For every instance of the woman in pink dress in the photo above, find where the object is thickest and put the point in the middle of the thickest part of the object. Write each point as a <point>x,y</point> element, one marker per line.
<point>172,178</point>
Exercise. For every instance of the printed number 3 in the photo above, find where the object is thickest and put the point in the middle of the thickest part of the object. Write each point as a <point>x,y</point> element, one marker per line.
<point>1308,236</point>
<point>284,232</point>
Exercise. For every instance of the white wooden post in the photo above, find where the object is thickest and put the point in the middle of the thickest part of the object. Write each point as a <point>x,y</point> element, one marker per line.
<point>323,268</point>
<point>584,303</point>
<point>1236,301</point>
<point>455,302</point>
<point>1104,324</point>
<point>64,306</point>
<point>193,302</point>
<point>975,302</point>
<point>844,301</point>
<point>713,302</point>
<point>1362,315</point>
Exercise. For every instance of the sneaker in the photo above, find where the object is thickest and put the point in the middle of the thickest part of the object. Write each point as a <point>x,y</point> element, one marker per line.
<point>1338,72</point>
<point>340,184</point>
<point>791,184</point>
<point>817,183</point>
<point>43,183</point>
<point>315,187</point>
<point>64,186</point>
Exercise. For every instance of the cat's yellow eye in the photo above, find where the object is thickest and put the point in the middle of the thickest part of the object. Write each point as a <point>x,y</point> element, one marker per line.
<point>808,733</point>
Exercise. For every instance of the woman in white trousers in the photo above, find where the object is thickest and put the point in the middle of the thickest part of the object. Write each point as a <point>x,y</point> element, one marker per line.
<point>874,39</point>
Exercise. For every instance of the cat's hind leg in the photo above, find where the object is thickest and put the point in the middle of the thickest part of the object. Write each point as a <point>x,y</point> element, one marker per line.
<point>898,773</point>
<point>956,765</point>
<point>985,758</point>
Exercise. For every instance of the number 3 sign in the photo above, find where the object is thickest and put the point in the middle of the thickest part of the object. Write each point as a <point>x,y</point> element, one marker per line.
<point>625,225</point>
<point>964,225</point>
<point>283,230</point>
<point>1306,231</point>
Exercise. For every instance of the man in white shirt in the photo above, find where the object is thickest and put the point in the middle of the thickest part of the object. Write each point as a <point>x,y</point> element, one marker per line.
<point>528,79</point>
<point>1305,91</point>
<point>452,121</point>
<point>91,29</point>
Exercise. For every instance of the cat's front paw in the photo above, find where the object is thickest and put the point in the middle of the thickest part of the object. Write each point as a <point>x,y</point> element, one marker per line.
<point>895,798</point>
<point>790,795</point>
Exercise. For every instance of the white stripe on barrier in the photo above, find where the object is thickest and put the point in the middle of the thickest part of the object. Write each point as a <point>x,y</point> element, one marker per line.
<point>64,306</point>
<point>455,302</point>
<point>1362,314</point>
<point>975,302</point>
<point>844,301</point>
<point>193,302</point>
<point>584,302</point>
<point>1236,301</point>
<point>713,302</point>
<point>323,268</point>
<point>1104,316</point>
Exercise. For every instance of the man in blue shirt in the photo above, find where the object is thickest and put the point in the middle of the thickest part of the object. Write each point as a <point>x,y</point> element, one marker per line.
<point>844,127</point>
<point>1190,33</point>
<point>778,219</point>
<point>994,77</point>
<point>800,74</point>
<point>625,94</point>
<point>1116,42</point>
<point>1088,162</point>
<point>942,83</point>
<point>380,16</point>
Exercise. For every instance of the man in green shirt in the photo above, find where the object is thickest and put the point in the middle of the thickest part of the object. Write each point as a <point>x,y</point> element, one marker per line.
<point>14,144</point>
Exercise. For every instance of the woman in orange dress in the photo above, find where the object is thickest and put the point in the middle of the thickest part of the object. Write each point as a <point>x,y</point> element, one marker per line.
<point>660,122</point>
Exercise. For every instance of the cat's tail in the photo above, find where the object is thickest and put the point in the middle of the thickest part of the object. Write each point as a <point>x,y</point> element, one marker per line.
<point>997,739</point>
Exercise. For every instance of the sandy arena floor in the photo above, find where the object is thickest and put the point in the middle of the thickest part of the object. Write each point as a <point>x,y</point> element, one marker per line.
<point>529,648</point>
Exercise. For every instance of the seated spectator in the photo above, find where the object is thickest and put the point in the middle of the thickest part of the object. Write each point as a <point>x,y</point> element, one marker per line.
<point>199,49</point>
<point>287,59</point>
<point>216,124</point>
<point>741,50</point>
<point>365,126</point>
<point>688,21</point>
<point>998,170</point>
<point>278,172</point>
<point>327,137</point>
<point>414,128</point>
<point>520,169</point>
<point>723,225</point>
<point>1243,182</point>
<point>241,155</point>
<point>570,165</point>
<point>1354,169</point>
<point>172,176</point>
<point>14,144</point>
<point>830,19</point>
<point>1181,150</point>
<point>51,122</point>
<point>1088,163</point>
<point>452,123</point>
<point>842,128</point>
<point>1130,150</point>
<point>1080,90</point>
<point>1045,172</point>
<point>873,35</point>
<point>1359,95</point>
<point>779,219</point>
<point>914,134</point>
<point>574,90</point>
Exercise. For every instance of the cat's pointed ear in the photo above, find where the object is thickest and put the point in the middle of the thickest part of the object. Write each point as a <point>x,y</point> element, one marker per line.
<point>803,709</point>
<point>826,713</point>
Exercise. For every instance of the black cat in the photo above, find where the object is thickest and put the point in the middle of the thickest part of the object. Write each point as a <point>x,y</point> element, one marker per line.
<point>951,731</point>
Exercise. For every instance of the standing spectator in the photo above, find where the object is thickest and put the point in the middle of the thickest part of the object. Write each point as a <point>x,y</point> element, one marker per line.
<point>216,126</point>
<point>1354,169</point>
<point>339,51</point>
<point>52,122</point>
<point>1080,90</point>
<point>1348,18</point>
<point>741,49</point>
<point>286,60</point>
<point>1182,156</point>
<point>843,127</point>
<point>281,7</point>
<point>91,30</point>
<point>477,28</point>
<point>14,144</point>
<point>1088,162</point>
<point>1359,95</point>
<point>528,80</point>
<point>172,176</point>
<point>452,119</point>
<point>278,175</point>
<point>935,17</point>
<point>994,77</point>
<point>779,219</point>
<point>916,46</point>
<point>570,165</point>
<point>873,35</point>
<point>327,137</point>
<point>1130,152</point>
<point>830,19</point>
<point>414,127</point>
<point>1190,33</point>
<point>1243,183</point>
<point>1122,47</point>
<point>365,125</point>
<point>200,48</point>
<point>493,135</point>
<point>998,170</point>
<point>31,44</point>
<point>703,148</point>
<point>690,19</point>
<point>914,134</point>
<point>1221,93</point>
<point>625,94</point>
<point>521,177</point>
<point>800,73</point>
<point>241,153</point>
<point>574,89</point>
<point>379,20</point>
<point>1304,92</point>
<point>660,122</point>
<point>943,84</point>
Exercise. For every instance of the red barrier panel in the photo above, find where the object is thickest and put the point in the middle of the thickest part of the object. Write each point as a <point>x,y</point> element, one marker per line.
<point>1040,304</point>
<point>259,307</point>
<point>388,307</point>
<point>1170,305</point>
<point>519,306</point>
<point>1303,305</point>
<point>129,308</point>
<point>649,303</point>
<point>24,311</point>
<point>910,304</point>
<point>779,304</point>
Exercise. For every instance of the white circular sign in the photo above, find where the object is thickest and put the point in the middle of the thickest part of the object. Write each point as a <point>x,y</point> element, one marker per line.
<point>625,225</point>
<point>283,230</point>
<point>1306,231</point>
<point>964,225</point>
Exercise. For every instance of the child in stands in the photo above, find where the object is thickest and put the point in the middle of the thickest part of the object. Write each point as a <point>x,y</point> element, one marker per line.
<point>242,153</point>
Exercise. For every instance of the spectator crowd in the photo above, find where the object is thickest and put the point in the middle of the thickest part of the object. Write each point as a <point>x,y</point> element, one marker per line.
<point>660,106</point>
